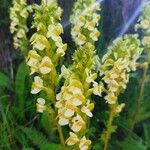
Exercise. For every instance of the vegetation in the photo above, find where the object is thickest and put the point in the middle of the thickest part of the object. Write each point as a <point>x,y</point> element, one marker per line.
<point>66,96</point>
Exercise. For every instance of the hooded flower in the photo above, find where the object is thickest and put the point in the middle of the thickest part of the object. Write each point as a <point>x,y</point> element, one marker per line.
<point>111,98</point>
<point>88,108</point>
<point>18,27</point>
<point>73,139</point>
<point>37,85</point>
<point>46,65</point>
<point>33,61</point>
<point>40,105</point>
<point>77,123</point>
<point>97,88</point>
<point>84,144</point>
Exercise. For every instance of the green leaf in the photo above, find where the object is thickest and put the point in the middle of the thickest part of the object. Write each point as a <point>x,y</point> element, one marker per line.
<point>132,144</point>
<point>35,137</point>
<point>46,122</point>
<point>27,148</point>
<point>97,146</point>
<point>147,134</point>
<point>20,80</point>
<point>51,147</point>
<point>144,112</point>
<point>5,82</point>
<point>21,87</point>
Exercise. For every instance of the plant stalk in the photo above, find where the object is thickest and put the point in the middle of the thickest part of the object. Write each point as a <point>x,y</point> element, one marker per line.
<point>139,101</point>
<point>108,131</point>
<point>61,136</point>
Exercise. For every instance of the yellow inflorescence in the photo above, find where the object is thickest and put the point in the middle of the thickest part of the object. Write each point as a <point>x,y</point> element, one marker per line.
<point>116,64</point>
<point>84,21</point>
<point>144,24</point>
<point>18,15</point>
<point>74,101</point>
<point>47,49</point>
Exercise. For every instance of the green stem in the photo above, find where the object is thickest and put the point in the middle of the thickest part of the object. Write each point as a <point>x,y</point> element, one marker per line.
<point>61,136</point>
<point>139,101</point>
<point>108,127</point>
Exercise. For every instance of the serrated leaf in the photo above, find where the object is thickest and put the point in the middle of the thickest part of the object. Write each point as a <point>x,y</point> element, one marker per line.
<point>36,137</point>
<point>132,144</point>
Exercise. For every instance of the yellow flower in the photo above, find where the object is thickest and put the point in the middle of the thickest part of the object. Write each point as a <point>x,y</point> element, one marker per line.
<point>24,13</point>
<point>39,42</point>
<point>46,65</point>
<point>33,61</point>
<point>77,123</point>
<point>107,78</point>
<point>120,107</point>
<point>37,85</point>
<point>33,58</point>
<point>145,24</point>
<point>17,6</point>
<point>76,96</point>
<point>76,83</point>
<point>113,86</point>
<point>111,98</point>
<point>96,18</point>
<point>72,140</point>
<point>94,35</point>
<point>41,26</point>
<point>80,39</point>
<point>80,21</point>
<point>63,120</point>
<point>67,95</point>
<point>77,99</point>
<point>54,30</point>
<point>90,77</point>
<point>146,40</point>
<point>75,31</point>
<point>90,25</point>
<point>88,108</point>
<point>60,104</point>
<point>96,5</point>
<point>61,49</point>
<point>69,109</point>
<point>13,27</point>
<point>65,72</point>
<point>40,105</point>
<point>84,144</point>
<point>75,90</point>
<point>21,33</point>
<point>23,2</point>
<point>97,88</point>
<point>124,81</point>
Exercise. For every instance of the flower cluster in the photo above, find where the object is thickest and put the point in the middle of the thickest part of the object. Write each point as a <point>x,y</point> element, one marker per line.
<point>18,15</point>
<point>47,49</point>
<point>73,110</point>
<point>74,101</point>
<point>116,64</point>
<point>144,24</point>
<point>71,102</point>
<point>84,21</point>
<point>83,142</point>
